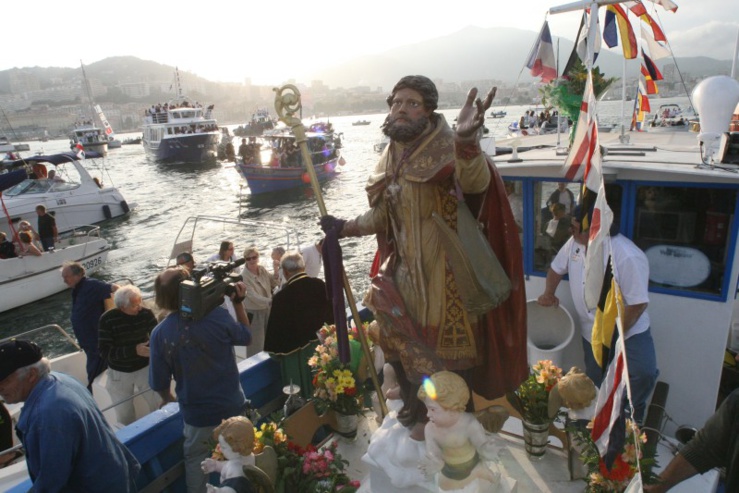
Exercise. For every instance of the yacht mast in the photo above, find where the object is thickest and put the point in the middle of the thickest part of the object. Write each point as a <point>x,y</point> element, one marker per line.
<point>88,89</point>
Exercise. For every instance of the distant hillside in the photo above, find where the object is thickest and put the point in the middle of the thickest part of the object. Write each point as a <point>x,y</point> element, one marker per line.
<point>472,53</point>
<point>475,53</point>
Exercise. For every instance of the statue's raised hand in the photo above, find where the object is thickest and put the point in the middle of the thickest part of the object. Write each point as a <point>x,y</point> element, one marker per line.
<point>472,115</point>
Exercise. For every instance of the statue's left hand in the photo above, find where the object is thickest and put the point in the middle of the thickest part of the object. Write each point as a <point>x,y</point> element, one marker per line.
<point>472,115</point>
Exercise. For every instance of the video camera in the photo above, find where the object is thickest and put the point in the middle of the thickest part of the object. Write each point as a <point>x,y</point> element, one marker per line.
<point>207,287</point>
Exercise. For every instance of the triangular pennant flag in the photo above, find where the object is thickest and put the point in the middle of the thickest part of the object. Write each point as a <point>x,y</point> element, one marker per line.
<point>656,50</point>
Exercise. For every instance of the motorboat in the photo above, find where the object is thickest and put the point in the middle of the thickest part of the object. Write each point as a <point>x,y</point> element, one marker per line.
<point>260,122</point>
<point>497,114</point>
<point>181,131</point>
<point>72,196</point>
<point>89,136</point>
<point>360,123</point>
<point>279,164</point>
<point>674,116</point>
<point>381,144</point>
<point>27,279</point>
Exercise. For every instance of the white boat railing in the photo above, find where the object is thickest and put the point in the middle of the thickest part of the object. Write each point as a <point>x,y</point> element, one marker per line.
<point>62,332</point>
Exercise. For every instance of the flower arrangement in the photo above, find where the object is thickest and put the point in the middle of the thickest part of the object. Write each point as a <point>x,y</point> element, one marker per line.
<point>337,385</point>
<point>531,399</point>
<point>301,469</point>
<point>615,480</point>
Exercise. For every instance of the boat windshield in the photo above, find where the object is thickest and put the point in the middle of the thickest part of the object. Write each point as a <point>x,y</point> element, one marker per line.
<point>33,186</point>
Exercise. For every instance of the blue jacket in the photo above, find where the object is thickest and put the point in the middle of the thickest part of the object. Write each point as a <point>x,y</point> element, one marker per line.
<point>199,355</point>
<point>88,304</point>
<point>69,445</point>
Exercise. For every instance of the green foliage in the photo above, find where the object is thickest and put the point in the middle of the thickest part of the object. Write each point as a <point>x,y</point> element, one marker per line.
<point>615,480</point>
<point>531,398</point>
<point>566,94</point>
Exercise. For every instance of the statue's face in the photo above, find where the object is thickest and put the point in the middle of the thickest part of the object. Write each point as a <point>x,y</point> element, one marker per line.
<point>441,417</point>
<point>408,116</point>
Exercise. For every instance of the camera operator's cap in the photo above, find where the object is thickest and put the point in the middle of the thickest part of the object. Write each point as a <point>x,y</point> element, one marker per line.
<point>16,354</point>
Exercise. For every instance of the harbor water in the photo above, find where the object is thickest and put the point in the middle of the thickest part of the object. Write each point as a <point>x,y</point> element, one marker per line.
<point>166,195</point>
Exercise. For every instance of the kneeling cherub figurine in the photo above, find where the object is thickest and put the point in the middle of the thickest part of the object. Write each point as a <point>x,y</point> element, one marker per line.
<point>456,442</point>
<point>236,438</point>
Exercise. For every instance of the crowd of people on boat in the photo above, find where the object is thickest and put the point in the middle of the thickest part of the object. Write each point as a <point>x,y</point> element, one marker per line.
<point>29,241</point>
<point>269,311</point>
<point>159,113</point>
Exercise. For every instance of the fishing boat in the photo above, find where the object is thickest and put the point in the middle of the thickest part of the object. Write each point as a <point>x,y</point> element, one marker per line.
<point>279,166</point>
<point>180,131</point>
<point>260,122</point>
<point>72,196</point>
<point>27,279</point>
<point>91,137</point>
<point>359,123</point>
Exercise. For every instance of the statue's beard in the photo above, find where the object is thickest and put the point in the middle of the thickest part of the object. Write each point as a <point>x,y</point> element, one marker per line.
<point>404,131</point>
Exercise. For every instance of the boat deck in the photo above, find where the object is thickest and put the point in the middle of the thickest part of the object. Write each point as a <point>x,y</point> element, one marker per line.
<point>549,474</point>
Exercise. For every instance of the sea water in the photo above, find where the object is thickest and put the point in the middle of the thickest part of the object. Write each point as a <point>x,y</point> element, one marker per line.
<point>166,195</point>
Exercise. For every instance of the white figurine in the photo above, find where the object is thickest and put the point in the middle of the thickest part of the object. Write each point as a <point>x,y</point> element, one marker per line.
<point>236,438</point>
<point>456,442</point>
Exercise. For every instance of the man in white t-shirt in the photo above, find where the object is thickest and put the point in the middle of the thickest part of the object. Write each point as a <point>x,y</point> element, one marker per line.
<point>312,257</point>
<point>632,274</point>
<point>571,260</point>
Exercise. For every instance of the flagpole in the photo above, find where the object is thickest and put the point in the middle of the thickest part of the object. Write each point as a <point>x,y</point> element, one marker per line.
<point>287,104</point>
<point>623,138</point>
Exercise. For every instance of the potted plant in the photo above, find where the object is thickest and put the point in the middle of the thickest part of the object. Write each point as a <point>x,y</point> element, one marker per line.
<point>531,400</point>
<point>338,386</point>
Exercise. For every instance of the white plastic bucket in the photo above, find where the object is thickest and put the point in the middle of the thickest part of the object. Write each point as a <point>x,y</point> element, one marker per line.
<point>550,330</point>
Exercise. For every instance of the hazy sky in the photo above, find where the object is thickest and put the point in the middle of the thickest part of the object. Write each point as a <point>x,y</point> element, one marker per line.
<point>271,41</point>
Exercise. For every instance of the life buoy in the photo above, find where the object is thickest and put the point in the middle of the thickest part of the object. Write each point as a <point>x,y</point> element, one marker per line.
<point>124,206</point>
<point>106,212</point>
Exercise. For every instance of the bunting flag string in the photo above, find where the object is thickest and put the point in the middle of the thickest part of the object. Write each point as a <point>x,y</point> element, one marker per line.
<point>650,85</point>
<point>651,67</point>
<point>616,15</point>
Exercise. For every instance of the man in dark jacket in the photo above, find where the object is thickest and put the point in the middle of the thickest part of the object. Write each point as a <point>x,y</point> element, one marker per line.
<point>299,309</point>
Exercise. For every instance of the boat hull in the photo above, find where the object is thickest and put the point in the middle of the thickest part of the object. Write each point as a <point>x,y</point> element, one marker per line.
<point>28,279</point>
<point>71,211</point>
<point>188,148</point>
<point>264,179</point>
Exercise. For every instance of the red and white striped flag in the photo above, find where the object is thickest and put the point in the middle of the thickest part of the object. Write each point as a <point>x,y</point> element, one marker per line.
<point>598,238</point>
<point>584,160</point>
<point>609,424</point>
<point>80,150</point>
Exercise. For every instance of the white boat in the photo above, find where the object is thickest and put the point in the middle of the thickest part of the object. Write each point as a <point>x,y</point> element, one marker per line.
<point>89,136</point>
<point>181,131</point>
<point>73,196</point>
<point>85,132</point>
<point>27,279</point>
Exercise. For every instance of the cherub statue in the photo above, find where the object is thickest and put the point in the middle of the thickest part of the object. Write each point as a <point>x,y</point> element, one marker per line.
<point>236,438</point>
<point>456,442</point>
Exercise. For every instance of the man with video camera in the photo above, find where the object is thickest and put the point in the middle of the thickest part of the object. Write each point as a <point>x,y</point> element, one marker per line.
<point>196,349</point>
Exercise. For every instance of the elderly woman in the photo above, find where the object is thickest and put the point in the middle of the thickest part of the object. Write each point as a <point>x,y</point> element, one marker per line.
<point>259,286</point>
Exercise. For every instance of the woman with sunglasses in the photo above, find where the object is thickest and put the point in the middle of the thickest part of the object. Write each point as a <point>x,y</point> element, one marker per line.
<point>259,286</point>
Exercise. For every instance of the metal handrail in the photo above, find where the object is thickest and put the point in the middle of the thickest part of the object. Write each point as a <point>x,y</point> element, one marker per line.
<point>23,335</point>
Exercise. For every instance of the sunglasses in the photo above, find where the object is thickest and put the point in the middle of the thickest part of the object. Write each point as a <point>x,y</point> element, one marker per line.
<point>252,257</point>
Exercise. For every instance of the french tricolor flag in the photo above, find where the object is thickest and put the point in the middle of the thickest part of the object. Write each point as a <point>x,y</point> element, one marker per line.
<point>541,59</point>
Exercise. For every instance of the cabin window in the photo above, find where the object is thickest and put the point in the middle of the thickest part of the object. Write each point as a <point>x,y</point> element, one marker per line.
<point>554,203</point>
<point>685,233</point>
